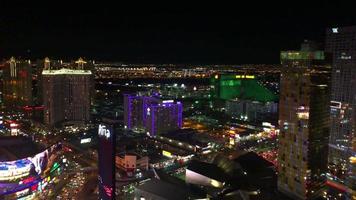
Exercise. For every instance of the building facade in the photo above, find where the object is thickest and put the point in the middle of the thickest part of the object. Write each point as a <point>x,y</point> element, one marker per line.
<point>341,43</point>
<point>17,84</point>
<point>163,117</point>
<point>240,86</point>
<point>304,124</point>
<point>129,162</point>
<point>253,111</point>
<point>151,115</point>
<point>66,95</point>
<point>134,107</point>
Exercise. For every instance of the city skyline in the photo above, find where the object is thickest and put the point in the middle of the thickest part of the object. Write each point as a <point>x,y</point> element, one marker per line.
<point>174,102</point>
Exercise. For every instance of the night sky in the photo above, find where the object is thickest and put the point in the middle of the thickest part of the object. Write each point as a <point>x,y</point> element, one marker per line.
<point>170,33</point>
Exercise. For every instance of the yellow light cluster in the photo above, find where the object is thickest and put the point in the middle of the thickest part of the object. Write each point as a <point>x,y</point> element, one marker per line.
<point>245,76</point>
<point>216,183</point>
<point>167,154</point>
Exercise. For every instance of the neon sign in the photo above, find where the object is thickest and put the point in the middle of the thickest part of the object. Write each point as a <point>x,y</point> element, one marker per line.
<point>104,132</point>
<point>108,190</point>
<point>85,140</point>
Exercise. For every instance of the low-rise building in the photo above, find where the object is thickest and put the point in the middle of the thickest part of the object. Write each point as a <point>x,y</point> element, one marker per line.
<point>129,162</point>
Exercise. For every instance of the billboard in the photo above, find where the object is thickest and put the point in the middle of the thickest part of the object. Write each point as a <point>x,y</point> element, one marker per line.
<point>14,170</point>
<point>24,176</point>
<point>106,154</point>
<point>85,140</point>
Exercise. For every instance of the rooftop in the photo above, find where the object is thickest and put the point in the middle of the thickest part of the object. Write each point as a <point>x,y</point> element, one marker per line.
<point>209,170</point>
<point>123,154</point>
<point>253,163</point>
<point>167,190</point>
<point>66,71</point>
<point>185,135</point>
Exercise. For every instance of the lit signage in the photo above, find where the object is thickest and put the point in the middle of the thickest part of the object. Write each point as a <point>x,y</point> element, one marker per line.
<point>14,131</point>
<point>13,125</point>
<point>85,140</point>
<point>104,132</point>
<point>335,104</point>
<point>232,141</point>
<point>55,167</point>
<point>40,161</point>
<point>27,180</point>
<point>352,160</point>
<point>108,190</point>
<point>167,154</point>
<point>22,192</point>
<point>168,101</point>
<point>106,161</point>
<point>13,170</point>
<point>303,114</point>
<point>267,124</point>
<point>245,76</point>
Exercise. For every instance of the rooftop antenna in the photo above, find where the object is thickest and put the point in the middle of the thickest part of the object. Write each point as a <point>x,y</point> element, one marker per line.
<point>80,63</point>
<point>47,63</point>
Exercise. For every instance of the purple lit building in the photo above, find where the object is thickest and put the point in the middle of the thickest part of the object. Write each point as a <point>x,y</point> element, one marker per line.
<point>151,114</point>
<point>164,117</point>
<point>134,107</point>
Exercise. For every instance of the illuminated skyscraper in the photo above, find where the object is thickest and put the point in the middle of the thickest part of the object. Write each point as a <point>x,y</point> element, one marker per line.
<point>17,84</point>
<point>42,64</point>
<point>341,42</point>
<point>163,117</point>
<point>152,115</point>
<point>66,95</point>
<point>134,109</point>
<point>304,124</point>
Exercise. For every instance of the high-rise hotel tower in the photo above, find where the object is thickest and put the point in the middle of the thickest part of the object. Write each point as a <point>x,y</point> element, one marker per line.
<point>304,123</point>
<point>341,43</point>
<point>66,94</point>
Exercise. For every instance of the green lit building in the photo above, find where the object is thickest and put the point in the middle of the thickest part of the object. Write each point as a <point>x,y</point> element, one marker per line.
<point>244,98</point>
<point>245,87</point>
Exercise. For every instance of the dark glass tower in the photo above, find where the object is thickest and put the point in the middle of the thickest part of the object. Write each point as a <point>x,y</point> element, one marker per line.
<point>341,43</point>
